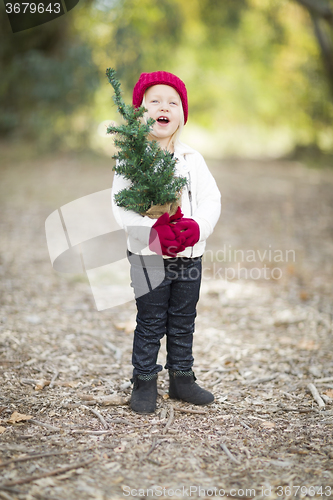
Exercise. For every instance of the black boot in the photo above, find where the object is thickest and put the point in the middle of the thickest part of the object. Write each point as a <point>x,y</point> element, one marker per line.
<point>183,386</point>
<point>144,393</point>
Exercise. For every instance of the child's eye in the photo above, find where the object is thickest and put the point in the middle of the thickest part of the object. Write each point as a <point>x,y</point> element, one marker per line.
<point>174,103</point>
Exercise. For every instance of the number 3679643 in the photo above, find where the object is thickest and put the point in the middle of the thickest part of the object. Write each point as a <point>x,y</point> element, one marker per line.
<point>32,8</point>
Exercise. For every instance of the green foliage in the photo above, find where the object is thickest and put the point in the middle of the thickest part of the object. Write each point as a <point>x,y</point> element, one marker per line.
<point>145,33</point>
<point>249,65</point>
<point>150,169</point>
<point>47,75</point>
<point>221,17</point>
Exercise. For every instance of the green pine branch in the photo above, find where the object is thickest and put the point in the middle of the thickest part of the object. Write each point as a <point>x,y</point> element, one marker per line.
<point>150,169</point>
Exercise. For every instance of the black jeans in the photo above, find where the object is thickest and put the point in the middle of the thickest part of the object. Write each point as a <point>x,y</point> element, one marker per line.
<point>167,309</point>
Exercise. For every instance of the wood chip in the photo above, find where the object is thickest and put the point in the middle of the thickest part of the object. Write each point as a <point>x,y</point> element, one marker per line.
<point>324,380</point>
<point>98,415</point>
<point>261,380</point>
<point>268,424</point>
<point>53,380</point>
<point>112,400</point>
<point>92,432</point>
<point>43,424</point>
<point>170,420</point>
<point>312,388</point>
<point>228,453</point>
<point>190,410</point>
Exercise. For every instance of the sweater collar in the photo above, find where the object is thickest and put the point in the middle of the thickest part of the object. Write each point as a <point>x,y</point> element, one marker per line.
<point>182,149</point>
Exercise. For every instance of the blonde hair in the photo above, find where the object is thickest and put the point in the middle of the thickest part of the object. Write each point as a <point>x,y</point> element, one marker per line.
<point>175,138</point>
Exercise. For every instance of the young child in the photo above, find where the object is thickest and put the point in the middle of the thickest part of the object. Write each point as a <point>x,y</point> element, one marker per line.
<point>169,308</point>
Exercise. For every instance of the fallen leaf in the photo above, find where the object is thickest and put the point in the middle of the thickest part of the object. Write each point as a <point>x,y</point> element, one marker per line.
<point>329,393</point>
<point>41,384</point>
<point>18,417</point>
<point>2,430</point>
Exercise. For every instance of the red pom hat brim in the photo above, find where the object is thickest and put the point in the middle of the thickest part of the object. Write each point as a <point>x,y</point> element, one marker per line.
<point>147,80</point>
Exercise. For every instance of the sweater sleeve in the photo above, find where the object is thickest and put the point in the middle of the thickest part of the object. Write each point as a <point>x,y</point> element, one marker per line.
<point>208,198</point>
<point>136,225</point>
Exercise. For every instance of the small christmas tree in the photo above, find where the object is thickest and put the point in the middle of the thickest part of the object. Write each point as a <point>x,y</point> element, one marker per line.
<point>154,187</point>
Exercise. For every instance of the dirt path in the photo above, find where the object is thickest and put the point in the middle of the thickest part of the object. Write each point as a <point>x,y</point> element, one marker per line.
<point>261,339</point>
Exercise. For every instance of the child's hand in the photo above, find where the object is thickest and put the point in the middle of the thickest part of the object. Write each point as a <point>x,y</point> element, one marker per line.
<point>177,216</point>
<point>165,238</point>
<point>189,230</point>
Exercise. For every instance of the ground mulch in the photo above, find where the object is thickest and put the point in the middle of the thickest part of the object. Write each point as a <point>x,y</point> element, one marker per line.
<point>263,345</point>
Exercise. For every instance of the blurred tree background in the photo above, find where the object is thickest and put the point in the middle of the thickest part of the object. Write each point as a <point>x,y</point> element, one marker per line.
<point>257,75</point>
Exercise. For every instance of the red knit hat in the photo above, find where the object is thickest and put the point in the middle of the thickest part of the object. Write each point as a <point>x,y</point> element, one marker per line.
<point>147,80</point>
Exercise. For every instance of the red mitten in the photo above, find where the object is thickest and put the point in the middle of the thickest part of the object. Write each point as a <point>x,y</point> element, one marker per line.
<point>189,230</point>
<point>164,237</point>
<point>177,216</point>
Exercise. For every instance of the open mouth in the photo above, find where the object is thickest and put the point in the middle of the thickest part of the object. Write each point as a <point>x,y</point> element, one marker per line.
<point>163,120</point>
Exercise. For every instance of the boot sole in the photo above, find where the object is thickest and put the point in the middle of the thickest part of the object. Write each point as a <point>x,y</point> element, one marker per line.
<point>143,412</point>
<point>190,402</point>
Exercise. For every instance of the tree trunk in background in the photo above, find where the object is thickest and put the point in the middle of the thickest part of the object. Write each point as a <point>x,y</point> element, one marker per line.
<point>322,18</point>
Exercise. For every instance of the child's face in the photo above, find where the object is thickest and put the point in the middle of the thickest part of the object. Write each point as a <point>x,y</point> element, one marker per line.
<point>163,104</point>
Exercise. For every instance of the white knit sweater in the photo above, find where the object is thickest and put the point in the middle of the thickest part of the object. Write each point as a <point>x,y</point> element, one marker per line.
<point>201,201</point>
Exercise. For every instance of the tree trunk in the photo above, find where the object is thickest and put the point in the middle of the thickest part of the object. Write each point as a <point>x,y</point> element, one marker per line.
<point>325,46</point>
<point>321,12</point>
